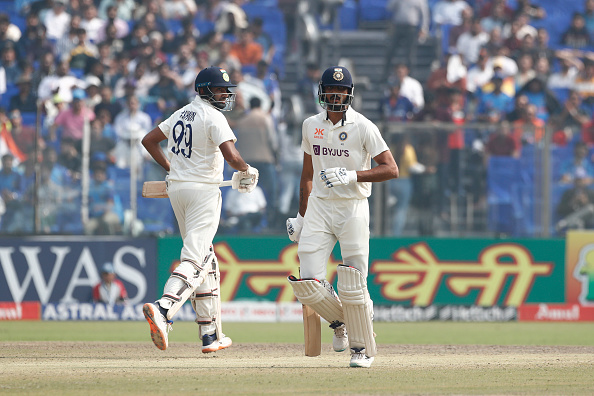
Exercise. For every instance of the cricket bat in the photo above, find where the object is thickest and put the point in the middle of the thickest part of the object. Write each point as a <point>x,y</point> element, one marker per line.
<point>158,189</point>
<point>312,329</point>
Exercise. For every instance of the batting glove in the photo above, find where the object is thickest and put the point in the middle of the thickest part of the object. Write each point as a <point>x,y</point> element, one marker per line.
<point>294,226</point>
<point>333,177</point>
<point>245,182</point>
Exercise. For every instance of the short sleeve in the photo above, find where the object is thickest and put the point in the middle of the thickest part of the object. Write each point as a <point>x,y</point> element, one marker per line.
<point>218,129</point>
<point>167,125</point>
<point>374,142</point>
<point>305,146</point>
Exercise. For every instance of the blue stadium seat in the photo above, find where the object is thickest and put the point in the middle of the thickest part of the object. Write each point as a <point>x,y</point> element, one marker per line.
<point>373,10</point>
<point>156,215</point>
<point>153,111</point>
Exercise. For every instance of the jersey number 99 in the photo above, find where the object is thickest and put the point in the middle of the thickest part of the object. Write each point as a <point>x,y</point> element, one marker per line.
<point>182,135</point>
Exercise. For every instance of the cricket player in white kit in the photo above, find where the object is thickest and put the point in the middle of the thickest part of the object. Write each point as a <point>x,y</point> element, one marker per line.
<point>338,146</point>
<point>199,140</point>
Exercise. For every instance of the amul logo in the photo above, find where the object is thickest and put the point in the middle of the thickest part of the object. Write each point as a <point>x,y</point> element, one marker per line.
<point>319,134</point>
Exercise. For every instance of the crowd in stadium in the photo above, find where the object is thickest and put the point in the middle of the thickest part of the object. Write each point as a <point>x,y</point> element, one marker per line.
<point>124,65</point>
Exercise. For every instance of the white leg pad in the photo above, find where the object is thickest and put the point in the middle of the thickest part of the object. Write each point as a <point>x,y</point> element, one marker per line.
<point>206,300</point>
<point>181,284</point>
<point>357,307</point>
<point>320,296</point>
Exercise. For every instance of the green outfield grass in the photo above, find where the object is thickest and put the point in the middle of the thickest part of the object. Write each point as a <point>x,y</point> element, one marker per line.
<point>446,333</point>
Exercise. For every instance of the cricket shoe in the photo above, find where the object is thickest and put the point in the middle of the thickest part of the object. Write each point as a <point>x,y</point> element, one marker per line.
<point>160,326</point>
<point>359,358</point>
<point>211,344</point>
<point>340,340</point>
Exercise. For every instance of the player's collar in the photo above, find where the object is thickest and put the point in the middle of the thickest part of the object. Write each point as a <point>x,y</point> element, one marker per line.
<point>348,117</point>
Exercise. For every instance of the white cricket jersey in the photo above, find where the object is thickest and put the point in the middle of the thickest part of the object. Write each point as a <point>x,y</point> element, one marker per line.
<point>194,134</point>
<point>350,146</point>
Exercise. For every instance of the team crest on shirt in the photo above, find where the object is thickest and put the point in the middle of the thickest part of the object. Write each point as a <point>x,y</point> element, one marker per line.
<point>343,136</point>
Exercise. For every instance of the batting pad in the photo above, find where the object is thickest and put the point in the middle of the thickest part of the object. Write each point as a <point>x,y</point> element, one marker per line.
<point>206,300</point>
<point>181,285</point>
<point>313,293</point>
<point>357,307</point>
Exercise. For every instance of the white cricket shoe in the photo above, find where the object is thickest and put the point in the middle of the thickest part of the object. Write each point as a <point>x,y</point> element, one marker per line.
<point>340,340</point>
<point>359,358</point>
<point>160,326</point>
<point>211,344</point>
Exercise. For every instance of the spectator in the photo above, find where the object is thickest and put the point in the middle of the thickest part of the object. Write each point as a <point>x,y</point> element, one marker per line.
<point>230,18</point>
<point>178,9</point>
<point>33,44</point>
<point>467,15</point>
<point>257,140</point>
<point>23,135</point>
<point>526,71</point>
<point>496,20</point>
<point>584,82</point>
<point>168,92</point>
<point>576,207</point>
<point>580,166</point>
<point>542,49</point>
<point>589,15</point>
<point>84,53</point>
<point>470,43</point>
<point>110,290</point>
<point>395,107</point>
<point>59,85</point>
<point>520,104</point>
<point>130,126</point>
<point>8,61</point>
<point>307,88</point>
<point>493,106</point>
<point>108,102</point>
<point>532,10</point>
<point>569,68</point>
<point>226,59</point>
<point>91,23</point>
<point>570,120</point>
<point>451,74</point>
<point>7,143</point>
<point>409,87</point>
<point>500,58</point>
<point>402,188</point>
<point>409,24</point>
<point>9,32</point>
<point>56,20</point>
<point>576,36</point>
<point>69,40</point>
<point>487,8</point>
<point>46,68</point>
<point>246,49</point>
<point>121,26</point>
<point>72,120</point>
<point>543,99</point>
<point>101,144</point>
<point>449,12</point>
<point>49,201</point>
<point>102,218</point>
<point>263,38</point>
<point>529,129</point>
<point>125,8</point>
<point>24,100</point>
<point>269,83</point>
<point>10,185</point>
<point>479,74</point>
<point>244,213</point>
<point>501,142</point>
<point>70,159</point>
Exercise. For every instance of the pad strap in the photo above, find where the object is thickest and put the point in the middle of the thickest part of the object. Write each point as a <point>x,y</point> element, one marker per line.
<point>318,295</point>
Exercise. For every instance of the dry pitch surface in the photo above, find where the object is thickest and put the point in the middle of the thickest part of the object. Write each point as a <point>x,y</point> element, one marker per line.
<point>119,368</point>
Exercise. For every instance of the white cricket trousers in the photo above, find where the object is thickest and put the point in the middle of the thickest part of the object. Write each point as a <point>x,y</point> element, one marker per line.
<point>197,207</point>
<point>325,222</point>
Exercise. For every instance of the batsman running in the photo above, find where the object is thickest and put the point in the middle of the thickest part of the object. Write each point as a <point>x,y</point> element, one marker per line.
<point>338,146</point>
<point>199,140</point>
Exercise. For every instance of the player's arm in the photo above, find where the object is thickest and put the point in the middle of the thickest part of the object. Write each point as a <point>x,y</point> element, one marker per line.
<point>386,169</point>
<point>246,177</point>
<point>151,143</point>
<point>295,224</point>
<point>232,156</point>
<point>305,184</point>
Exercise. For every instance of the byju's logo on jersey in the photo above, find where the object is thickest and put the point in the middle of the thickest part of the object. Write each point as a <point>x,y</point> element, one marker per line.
<point>330,152</point>
<point>319,134</point>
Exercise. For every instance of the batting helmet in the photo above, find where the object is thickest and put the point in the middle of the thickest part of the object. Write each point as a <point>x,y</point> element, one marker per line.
<point>336,76</point>
<point>212,77</point>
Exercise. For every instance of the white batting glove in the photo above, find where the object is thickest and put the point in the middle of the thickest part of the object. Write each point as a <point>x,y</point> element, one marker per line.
<point>338,177</point>
<point>294,226</point>
<point>245,182</point>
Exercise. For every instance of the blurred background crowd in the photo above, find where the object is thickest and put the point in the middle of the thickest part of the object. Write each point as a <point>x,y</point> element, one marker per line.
<point>488,107</point>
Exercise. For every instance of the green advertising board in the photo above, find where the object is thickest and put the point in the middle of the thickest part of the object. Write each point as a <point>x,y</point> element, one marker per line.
<point>404,271</point>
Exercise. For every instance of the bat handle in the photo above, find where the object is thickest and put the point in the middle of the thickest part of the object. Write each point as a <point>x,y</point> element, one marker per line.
<point>226,183</point>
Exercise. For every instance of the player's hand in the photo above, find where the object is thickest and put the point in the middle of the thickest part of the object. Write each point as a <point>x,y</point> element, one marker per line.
<point>245,181</point>
<point>333,177</point>
<point>294,226</point>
